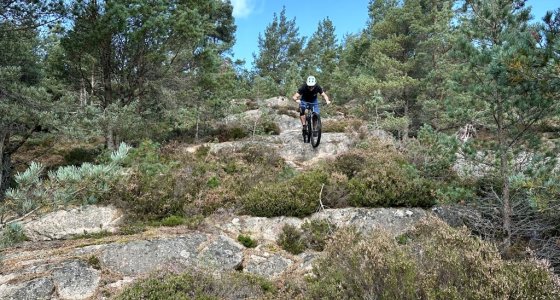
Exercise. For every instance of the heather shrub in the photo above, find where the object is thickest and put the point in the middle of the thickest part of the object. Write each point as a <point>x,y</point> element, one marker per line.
<point>434,261</point>
<point>226,133</point>
<point>148,191</point>
<point>391,185</point>
<point>291,239</point>
<point>296,197</point>
<point>200,284</point>
<point>172,221</point>
<point>376,174</point>
<point>316,233</point>
<point>246,241</point>
<point>342,125</point>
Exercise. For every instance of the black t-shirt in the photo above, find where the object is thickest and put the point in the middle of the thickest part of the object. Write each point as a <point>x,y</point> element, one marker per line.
<point>308,95</point>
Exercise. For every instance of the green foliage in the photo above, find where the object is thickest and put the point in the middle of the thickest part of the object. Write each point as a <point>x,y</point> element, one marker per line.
<point>94,262</point>
<point>452,265</point>
<point>313,235</point>
<point>509,87</point>
<point>92,235</point>
<point>247,241</point>
<point>433,153</point>
<point>270,127</point>
<point>200,284</point>
<point>316,233</point>
<point>172,221</point>
<point>213,182</point>
<point>279,47</point>
<point>298,196</point>
<point>11,235</point>
<point>342,125</point>
<point>226,133</point>
<point>146,89</point>
<point>131,228</point>
<point>377,175</point>
<point>291,239</point>
<point>78,156</point>
<point>262,155</point>
<point>322,54</point>
<point>86,184</point>
<point>149,189</point>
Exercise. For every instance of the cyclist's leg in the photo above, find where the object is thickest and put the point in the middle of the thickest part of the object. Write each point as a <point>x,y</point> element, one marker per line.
<point>302,106</point>
<point>316,107</point>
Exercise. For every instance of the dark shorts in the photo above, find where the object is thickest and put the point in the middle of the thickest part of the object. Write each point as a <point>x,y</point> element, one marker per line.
<point>303,105</point>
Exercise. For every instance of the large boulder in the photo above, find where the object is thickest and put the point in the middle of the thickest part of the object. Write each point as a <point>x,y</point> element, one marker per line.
<point>65,280</point>
<point>76,280</point>
<point>393,220</point>
<point>65,224</point>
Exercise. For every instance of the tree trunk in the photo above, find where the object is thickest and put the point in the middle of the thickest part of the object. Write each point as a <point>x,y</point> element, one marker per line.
<point>109,138</point>
<point>506,204</point>
<point>5,162</point>
<point>197,124</point>
<point>504,173</point>
<point>406,113</point>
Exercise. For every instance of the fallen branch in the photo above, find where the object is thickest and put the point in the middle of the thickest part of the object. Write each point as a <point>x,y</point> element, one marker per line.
<point>8,222</point>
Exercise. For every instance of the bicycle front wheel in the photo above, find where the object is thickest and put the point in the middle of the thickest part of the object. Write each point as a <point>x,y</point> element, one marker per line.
<point>315,130</point>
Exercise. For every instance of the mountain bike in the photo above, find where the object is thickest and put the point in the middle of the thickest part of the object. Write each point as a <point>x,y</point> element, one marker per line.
<point>313,121</point>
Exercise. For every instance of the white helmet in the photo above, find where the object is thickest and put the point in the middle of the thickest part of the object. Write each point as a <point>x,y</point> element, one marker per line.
<point>311,81</point>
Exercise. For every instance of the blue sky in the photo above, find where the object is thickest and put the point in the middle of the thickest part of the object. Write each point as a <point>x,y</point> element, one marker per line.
<point>349,16</point>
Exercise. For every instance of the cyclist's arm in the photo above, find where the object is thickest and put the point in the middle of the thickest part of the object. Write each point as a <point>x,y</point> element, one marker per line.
<point>296,96</point>
<point>326,97</point>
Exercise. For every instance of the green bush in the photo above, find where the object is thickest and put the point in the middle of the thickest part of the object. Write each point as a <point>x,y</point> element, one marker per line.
<point>172,221</point>
<point>262,155</point>
<point>432,261</point>
<point>246,241</point>
<point>296,197</point>
<point>291,239</point>
<point>377,175</point>
<point>86,184</point>
<point>200,284</point>
<point>391,186</point>
<point>270,127</point>
<point>316,233</point>
<point>350,163</point>
<point>11,235</point>
<point>226,133</point>
<point>149,192</point>
<point>343,125</point>
<point>78,156</point>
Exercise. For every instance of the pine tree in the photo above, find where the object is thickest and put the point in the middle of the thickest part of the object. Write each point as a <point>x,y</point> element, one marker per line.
<point>25,104</point>
<point>280,46</point>
<point>511,84</point>
<point>398,51</point>
<point>121,53</point>
<point>321,55</point>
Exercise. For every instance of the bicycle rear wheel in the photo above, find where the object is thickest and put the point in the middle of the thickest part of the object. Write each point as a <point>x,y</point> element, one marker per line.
<point>315,130</point>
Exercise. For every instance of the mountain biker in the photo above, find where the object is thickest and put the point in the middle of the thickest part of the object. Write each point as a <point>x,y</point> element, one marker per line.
<point>308,93</point>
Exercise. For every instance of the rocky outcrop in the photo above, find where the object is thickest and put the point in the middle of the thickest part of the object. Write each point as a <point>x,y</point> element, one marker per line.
<point>76,280</point>
<point>65,224</point>
<point>72,270</point>
<point>67,280</point>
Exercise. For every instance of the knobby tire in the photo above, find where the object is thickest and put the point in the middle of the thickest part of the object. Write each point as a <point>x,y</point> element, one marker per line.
<point>315,126</point>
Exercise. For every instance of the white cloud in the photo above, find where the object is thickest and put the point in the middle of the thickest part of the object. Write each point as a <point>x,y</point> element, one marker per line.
<point>242,8</point>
